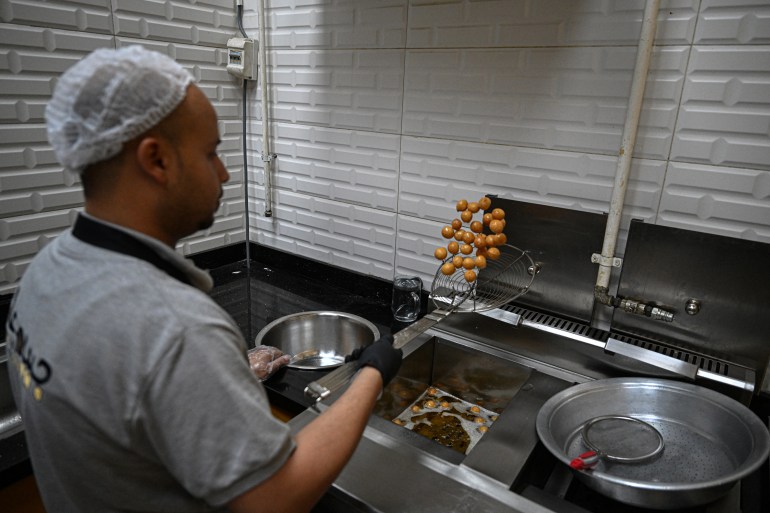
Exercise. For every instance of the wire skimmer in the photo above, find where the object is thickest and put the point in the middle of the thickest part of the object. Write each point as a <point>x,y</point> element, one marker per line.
<point>500,282</point>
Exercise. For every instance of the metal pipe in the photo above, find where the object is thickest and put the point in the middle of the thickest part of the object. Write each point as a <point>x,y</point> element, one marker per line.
<point>643,54</point>
<point>267,156</point>
<point>247,225</point>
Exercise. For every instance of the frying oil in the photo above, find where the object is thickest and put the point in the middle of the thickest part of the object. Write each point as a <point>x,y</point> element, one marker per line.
<point>447,419</point>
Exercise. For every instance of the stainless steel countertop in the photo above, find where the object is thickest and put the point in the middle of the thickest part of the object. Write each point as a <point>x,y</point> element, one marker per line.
<point>390,473</point>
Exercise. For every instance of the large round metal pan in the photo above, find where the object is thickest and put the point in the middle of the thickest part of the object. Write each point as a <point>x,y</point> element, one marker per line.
<point>318,339</point>
<point>710,440</point>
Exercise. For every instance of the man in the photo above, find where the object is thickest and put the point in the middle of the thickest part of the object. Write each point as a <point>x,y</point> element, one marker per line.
<point>133,385</point>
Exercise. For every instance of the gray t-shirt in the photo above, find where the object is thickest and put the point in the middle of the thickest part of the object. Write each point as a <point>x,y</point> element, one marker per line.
<point>134,387</point>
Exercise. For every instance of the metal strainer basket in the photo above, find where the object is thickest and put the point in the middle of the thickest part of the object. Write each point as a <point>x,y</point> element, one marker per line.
<point>500,282</point>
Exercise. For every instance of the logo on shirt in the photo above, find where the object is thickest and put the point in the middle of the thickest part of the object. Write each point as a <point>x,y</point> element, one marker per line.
<point>34,371</point>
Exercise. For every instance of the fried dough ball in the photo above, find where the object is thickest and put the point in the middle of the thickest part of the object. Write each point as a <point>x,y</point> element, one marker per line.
<point>496,226</point>
<point>475,409</point>
<point>432,391</point>
<point>445,404</point>
<point>479,420</point>
<point>416,408</point>
<point>466,240</point>
<point>483,429</point>
<point>430,403</point>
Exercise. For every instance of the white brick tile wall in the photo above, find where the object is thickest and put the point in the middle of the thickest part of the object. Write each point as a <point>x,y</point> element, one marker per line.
<point>733,22</point>
<point>204,22</point>
<point>435,174</point>
<point>503,23</point>
<point>38,199</point>
<point>336,88</point>
<point>566,98</point>
<point>385,112</point>
<point>333,24</point>
<point>83,15</point>
<point>350,236</point>
<point>341,165</point>
<point>724,116</point>
<point>417,239</point>
<point>725,200</point>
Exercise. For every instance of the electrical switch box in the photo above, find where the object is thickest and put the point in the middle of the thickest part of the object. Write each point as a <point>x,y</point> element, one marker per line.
<point>242,57</point>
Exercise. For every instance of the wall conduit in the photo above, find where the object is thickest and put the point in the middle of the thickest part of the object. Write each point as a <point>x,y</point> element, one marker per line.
<point>606,259</point>
<point>267,156</point>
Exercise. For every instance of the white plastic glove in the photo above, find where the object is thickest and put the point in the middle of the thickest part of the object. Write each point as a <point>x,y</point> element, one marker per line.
<point>265,360</point>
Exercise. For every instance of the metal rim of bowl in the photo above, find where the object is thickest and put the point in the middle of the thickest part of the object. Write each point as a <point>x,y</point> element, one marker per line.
<point>752,423</point>
<point>294,365</point>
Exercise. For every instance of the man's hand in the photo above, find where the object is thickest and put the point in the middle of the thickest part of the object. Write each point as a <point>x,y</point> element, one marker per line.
<point>381,356</point>
<point>265,360</point>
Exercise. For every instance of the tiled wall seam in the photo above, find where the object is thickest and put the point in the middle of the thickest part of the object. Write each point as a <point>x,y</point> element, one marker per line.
<point>741,22</point>
<point>724,116</point>
<point>348,236</point>
<point>728,201</point>
<point>571,98</point>
<point>84,16</point>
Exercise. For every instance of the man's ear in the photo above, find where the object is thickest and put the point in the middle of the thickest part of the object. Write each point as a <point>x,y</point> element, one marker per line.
<point>155,158</point>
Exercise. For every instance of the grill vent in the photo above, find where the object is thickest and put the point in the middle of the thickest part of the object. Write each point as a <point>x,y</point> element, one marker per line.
<point>583,330</point>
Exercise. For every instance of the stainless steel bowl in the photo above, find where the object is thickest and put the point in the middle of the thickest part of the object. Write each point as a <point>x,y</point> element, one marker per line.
<point>710,441</point>
<point>318,339</point>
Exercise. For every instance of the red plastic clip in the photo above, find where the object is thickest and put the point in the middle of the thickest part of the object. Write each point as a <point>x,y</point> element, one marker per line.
<point>585,461</point>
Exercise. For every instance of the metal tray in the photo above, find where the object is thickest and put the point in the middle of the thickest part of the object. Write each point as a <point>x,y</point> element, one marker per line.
<point>710,440</point>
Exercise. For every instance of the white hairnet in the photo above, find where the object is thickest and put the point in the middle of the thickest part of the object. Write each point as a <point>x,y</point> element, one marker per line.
<point>108,98</point>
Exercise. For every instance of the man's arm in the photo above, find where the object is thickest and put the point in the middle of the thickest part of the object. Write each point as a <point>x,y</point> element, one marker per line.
<point>323,447</point>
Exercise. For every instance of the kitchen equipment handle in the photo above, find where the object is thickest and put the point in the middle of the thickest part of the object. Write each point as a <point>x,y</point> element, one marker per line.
<point>658,360</point>
<point>415,329</point>
<point>322,388</point>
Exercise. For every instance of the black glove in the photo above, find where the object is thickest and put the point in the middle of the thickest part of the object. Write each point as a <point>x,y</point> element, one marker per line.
<point>381,355</point>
